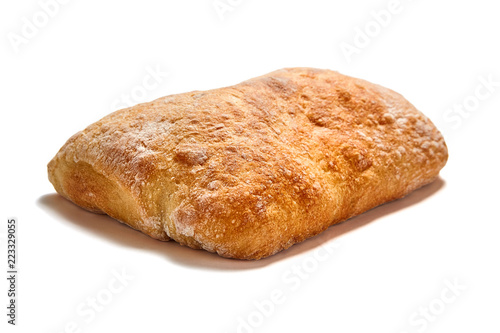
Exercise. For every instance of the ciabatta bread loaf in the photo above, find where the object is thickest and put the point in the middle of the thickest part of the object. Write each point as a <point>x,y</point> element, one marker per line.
<point>249,170</point>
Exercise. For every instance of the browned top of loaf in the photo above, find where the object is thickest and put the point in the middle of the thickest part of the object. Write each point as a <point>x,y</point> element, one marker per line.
<point>251,169</point>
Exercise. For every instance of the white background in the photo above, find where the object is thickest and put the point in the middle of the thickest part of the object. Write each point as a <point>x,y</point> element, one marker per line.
<point>390,265</point>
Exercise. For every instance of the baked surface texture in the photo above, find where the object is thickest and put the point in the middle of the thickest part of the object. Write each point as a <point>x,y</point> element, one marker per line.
<point>249,170</point>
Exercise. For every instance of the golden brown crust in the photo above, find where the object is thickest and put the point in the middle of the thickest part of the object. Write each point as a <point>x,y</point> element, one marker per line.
<point>249,170</point>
